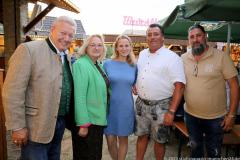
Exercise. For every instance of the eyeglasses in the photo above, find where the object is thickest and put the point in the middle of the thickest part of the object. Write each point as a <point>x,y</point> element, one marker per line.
<point>95,45</point>
<point>195,70</point>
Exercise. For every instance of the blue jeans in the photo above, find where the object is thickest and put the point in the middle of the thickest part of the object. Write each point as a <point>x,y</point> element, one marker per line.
<point>204,131</point>
<point>49,151</point>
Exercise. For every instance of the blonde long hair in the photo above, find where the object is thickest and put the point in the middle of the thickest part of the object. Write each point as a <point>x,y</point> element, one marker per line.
<point>131,57</point>
<point>83,49</point>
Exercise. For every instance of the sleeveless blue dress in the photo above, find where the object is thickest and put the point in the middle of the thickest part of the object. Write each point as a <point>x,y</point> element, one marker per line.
<point>121,116</point>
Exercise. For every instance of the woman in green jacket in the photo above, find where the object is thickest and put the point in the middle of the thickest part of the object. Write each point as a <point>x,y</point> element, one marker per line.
<point>90,99</point>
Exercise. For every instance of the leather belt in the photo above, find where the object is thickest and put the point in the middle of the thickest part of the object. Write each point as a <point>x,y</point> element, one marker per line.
<point>153,102</point>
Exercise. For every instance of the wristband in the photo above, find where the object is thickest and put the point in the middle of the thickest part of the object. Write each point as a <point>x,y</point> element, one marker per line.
<point>86,125</point>
<point>171,112</point>
<point>231,115</point>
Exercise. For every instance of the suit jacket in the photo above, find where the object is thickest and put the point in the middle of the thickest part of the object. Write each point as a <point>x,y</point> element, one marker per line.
<point>32,90</point>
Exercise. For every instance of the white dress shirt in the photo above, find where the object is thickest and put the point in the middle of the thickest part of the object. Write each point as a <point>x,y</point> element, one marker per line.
<point>157,73</point>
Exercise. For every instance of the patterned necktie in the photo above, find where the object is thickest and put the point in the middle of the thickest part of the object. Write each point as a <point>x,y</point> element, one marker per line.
<point>67,87</point>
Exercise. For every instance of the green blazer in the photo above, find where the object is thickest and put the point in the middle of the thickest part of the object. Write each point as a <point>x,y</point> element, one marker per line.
<point>90,93</point>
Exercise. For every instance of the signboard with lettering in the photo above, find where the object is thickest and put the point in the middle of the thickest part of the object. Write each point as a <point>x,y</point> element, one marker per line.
<point>133,21</point>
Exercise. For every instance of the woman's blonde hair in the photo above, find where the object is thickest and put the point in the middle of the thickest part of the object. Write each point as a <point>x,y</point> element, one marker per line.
<point>83,49</point>
<point>130,56</point>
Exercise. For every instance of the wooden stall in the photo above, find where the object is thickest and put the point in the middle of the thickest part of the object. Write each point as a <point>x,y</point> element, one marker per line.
<point>3,150</point>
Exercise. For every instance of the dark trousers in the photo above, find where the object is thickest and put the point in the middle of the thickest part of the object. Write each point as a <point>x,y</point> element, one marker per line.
<point>90,147</point>
<point>208,131</point>
<point>49,151</point>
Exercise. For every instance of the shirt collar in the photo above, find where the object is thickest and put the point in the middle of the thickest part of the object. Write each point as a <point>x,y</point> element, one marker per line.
<point>207,54</point>
<point>157,51</point>
<point>58,52</point>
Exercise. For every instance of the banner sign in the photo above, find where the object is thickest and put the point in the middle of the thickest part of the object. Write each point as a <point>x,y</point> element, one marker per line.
<point>132,21</point>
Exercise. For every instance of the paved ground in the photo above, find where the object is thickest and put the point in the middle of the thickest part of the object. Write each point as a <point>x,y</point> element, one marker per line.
<point>171,149</point>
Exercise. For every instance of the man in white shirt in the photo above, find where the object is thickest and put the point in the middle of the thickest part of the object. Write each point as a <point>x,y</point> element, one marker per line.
<point>160,86</point>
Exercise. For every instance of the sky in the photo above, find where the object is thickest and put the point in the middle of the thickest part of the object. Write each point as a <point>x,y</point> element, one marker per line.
<point>115,17</point>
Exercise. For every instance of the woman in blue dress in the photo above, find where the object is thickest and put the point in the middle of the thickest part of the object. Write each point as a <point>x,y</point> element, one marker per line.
<point>121,71</point>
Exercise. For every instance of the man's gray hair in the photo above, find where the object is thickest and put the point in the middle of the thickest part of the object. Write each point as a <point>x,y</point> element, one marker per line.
<point>65,19</point>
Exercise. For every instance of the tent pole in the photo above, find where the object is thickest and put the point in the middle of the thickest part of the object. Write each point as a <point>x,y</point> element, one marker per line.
<point>228,38</point>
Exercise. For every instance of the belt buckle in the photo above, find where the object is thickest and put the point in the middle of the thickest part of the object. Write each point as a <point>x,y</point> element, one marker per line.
<point>148,102</point>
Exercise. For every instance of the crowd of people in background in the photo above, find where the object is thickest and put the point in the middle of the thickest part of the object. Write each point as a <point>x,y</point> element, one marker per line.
<point>47,90</point>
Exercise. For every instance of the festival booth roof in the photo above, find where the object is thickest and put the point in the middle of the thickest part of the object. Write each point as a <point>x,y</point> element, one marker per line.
<point>177,23</point>
<point>212,10</point>
<point>64,4</point>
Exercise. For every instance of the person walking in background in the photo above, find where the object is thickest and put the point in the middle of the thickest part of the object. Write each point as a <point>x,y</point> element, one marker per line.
<point>121,71</point>
<point>206,117</point>
<point>160,86</point>
<point>37,92</point>
<point>90,100</point>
